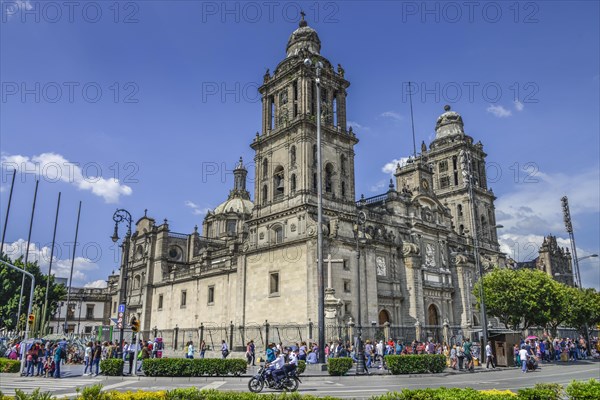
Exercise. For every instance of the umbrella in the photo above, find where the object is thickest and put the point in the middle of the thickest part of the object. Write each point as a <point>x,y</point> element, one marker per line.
<point>531,337</point>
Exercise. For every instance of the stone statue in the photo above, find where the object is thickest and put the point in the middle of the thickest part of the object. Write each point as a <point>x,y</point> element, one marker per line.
<point>267,76</point>
<point>341,71</point>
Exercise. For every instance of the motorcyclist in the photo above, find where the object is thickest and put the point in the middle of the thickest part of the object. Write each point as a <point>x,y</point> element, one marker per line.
<point>276,367</point>
<point>292,363</point>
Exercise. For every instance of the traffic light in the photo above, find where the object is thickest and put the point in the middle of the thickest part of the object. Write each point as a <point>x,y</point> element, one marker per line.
<point>135,324</point>
<point>31,319</point>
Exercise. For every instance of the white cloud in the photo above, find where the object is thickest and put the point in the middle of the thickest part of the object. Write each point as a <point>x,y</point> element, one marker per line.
<point>525,247</point>
<point>393,115</point>
<point>390,167</point>
<point>54,167</point>
<point>99,284</point>
<point>378,186</point>
<point>196,209</point>
<point>518,105</point>
<point>534,206</point>
<point>61,267</point>
<point>356,125</point>
<point>499,111</point>
<point>533,210</point>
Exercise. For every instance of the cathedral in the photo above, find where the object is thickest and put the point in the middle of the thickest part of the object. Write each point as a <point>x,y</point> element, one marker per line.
<point>409,250</point>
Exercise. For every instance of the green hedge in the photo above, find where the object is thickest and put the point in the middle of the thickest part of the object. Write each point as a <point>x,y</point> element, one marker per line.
<point>112,367</point>
<point>301,366</point>
<point>339,365</point>
<point>9,366</point>
<point>575,391</point>
<point>415,363</point>
<point>193,367</point>
<point>584,390</point>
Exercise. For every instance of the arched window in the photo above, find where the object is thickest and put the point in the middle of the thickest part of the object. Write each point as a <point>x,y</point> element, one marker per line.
<point>293,183</point>
<point>265,168</point>
<point>334,110</point>
<point>293,156</point>
<point>459,210</point>
<point>315,154</point>
<point>278,234</point>
<point>264,195</point>
<point>315,182</point>
<point>272,110</point>
<point>278,182</point>
<point>343,189</point>
<point>343,163</point>
<point>461,229</point>
<point>328,178</point>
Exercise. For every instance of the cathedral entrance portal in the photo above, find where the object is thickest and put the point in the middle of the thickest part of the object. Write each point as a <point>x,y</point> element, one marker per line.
<point>384,316</point>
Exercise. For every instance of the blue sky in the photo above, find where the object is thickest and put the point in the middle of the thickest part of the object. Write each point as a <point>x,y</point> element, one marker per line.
<point>162,96</point>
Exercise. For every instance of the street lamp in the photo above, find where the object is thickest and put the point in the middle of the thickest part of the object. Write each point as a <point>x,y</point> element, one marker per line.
<point>467,172</point>
<point>119,216</point>
<point>586,257</point>
<point>321,291</point>
<point>361,217</point>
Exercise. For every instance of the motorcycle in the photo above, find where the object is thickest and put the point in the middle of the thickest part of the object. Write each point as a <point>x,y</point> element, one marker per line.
<point>289,382</point>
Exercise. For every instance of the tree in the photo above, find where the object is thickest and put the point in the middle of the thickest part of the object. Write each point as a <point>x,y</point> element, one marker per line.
<point>583,309</point>
<point>523,298</point>
<point>10,290</point>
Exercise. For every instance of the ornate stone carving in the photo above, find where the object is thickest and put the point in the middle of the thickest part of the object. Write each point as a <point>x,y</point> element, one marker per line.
<point>410,249</point>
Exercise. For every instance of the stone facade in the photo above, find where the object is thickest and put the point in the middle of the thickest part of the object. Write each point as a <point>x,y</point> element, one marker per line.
<point>258,260</point>
<point>553,260</point>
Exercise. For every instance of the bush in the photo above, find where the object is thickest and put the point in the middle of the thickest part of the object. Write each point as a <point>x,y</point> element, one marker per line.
<point>301,366</point>
<point>112,367</point>
<point>415,363</point>
<point>446,394</point>
<point>9,366</point>
<point>339,366</point>
<point>537,394</point>
<point>584,390</point>
<point>193,367</point>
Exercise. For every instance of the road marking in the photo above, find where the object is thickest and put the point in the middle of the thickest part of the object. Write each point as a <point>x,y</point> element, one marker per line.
<point>214,385</point>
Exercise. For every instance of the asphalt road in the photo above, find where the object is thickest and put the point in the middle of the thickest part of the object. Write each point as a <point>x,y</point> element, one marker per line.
<point>350,387</point>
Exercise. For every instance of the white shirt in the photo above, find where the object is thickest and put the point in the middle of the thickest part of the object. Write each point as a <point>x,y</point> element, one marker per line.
<point>293,358</point>
<point>88,352</point>
<point>279,362</point>
<point>488,350</point>
<point>523,354</point>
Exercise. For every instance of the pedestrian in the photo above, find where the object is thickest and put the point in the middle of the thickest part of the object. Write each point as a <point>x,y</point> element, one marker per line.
<point>145,353</point>
<point>224,349</point>
<point>58,350</point>
<point>202,349</point>
<point>460,354</point>
<point>97,357</point>
<point>87,359</point>
<point>523,354</point>
<point>453,358</point>
<point>190,350</point>
<point>467,350</point>
<point>489,356</point>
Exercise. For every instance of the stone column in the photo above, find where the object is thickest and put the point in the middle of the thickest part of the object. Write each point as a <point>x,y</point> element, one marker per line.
<point>332,314</point>
<point>414,281</point>
<point>351,325</point>
<point>418,330</point>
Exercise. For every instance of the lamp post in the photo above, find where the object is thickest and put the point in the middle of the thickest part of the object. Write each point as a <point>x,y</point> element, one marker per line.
<point>119,216</point>
<point>467,172</point>
<point>321,292</point>
<point>360,356</point>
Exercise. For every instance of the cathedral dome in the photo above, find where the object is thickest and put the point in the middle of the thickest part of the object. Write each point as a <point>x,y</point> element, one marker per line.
<point>235,205</point>
<point>449,123</point>
<point>303,38</point>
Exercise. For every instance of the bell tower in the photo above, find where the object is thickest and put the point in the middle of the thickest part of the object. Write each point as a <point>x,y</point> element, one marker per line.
<point>285,160</point>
